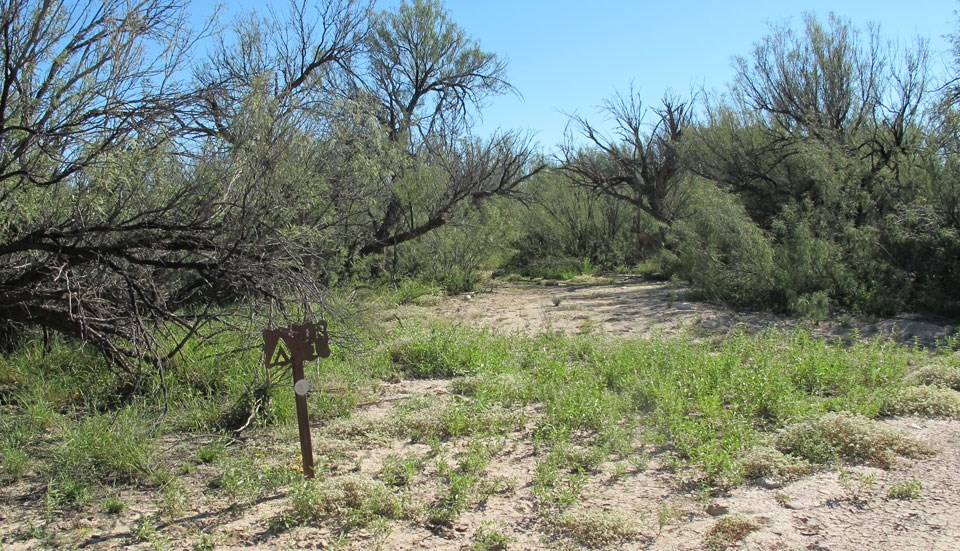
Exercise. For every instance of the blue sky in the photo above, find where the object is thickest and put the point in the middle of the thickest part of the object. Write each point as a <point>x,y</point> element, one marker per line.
<point>567,56</point>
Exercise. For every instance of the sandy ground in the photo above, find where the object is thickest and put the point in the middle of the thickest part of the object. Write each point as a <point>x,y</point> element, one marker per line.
<point>828,510</point>
<point>637,308</point>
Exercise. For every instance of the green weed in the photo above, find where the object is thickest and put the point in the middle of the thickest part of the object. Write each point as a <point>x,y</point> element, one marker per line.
<point>173,501</point>
<point>460,483</point>
<point>145,530</point>
<point>400,471</point>
<point>113,505</point>
<point>764,461</point>
<point>410,290</point>
<point>244,479</point>
<point>14,462</point>
<point>115,448</point>
<point>211,452</point>
<point>909,489</point>
<point>857,485</point>
<point>351,501</point>
<point>488,538</point>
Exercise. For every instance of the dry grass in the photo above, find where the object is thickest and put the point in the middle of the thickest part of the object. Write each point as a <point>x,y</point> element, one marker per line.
<point>594,529</point>
<point>764,461</point>
<point>728,531</point>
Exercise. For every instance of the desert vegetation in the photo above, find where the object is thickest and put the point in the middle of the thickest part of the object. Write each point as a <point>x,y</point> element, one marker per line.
<point>159,208</point>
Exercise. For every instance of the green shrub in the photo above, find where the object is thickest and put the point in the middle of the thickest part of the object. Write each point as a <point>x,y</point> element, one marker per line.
<point>723,253</point>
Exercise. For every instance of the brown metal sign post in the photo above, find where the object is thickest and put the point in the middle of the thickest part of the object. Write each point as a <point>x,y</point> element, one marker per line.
<point>302,343</point>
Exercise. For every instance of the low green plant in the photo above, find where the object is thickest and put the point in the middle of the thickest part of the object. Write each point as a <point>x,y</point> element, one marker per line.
<point>453,499</point>
<point>488,538</point>
<point>206,542</point>
<point>639,462</point>
<point>409,290</point>
<point>400,471</point>
<point>764,461</point>
<point>66,490</point>
<point>107,448</point>
<point>460,483</point>
<point>113,505</point>
<point>14,462</point>
<point>351,500</point>
<point>857,485</point>
<point>173,501</point>
<point>667,514</point>
<point>440,352</point>
<point>244,479</point>
<point>211,452</point>
<point>909,489</point>
<point>145,530</point>
<point>554,489</point>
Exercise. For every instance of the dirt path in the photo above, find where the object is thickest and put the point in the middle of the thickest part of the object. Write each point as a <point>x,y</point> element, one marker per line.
<point>636,308</point>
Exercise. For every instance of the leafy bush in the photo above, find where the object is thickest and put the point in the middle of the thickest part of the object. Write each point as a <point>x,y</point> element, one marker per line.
<point>723,253</point>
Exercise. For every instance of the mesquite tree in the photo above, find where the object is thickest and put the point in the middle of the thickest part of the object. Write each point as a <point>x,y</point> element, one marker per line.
<point>117,227</point>
<point>640,165</point>
<point>143,195</point>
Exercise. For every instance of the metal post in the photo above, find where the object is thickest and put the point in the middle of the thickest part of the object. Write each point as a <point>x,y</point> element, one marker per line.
<point>303,420</point>
<point>304,342</point>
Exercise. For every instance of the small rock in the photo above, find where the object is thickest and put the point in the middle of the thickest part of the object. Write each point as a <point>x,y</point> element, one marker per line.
<point>461,528</point>
<point>716,510</point>
<point>793,506</point>
<point>771,483</point>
